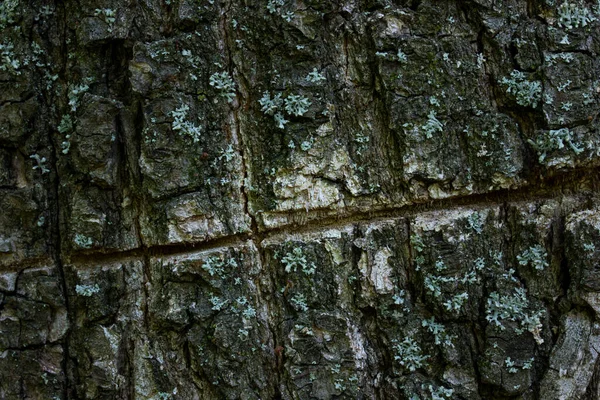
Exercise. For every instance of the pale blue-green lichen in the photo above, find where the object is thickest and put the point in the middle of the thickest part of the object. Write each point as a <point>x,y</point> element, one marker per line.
<point>527,93</point>
<point>534,256</point>
<point>9,10</point>
<point>224,84</point>
<point>555,140</point>
<point>108,15</point>
<point>409,354</point>
<point>87,290</point>
<point>299,301</point>
<point>514,307</point>
<point>65,127</point>
<point>183,126</point>
<point>83,241</point>
<point>315,77</point>
<point>296,105</point>
<point>40,163</point>
<point>572,15</point>
<point>432,125</point>
<point>438,330</point>
<point>296,259</point>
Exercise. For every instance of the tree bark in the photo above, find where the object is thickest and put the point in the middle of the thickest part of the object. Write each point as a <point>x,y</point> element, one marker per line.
<point>299,199</point>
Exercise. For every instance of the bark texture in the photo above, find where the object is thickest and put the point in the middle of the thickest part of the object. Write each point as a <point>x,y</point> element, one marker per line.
<point>299,199</point>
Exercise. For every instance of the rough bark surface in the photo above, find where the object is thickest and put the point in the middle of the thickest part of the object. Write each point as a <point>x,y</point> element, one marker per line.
<point>299,199</point>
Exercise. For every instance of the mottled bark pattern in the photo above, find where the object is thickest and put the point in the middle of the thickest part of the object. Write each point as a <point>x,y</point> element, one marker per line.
<point>299,199</point>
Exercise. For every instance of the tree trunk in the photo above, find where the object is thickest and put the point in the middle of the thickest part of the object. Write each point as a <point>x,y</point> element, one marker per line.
<point>299,199</point>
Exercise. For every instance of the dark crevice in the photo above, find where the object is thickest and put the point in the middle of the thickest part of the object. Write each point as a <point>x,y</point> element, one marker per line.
<point>476,352</point>
<point>93,259</point>
<point>236,128</point>
<point>56,233</point>
<point>577,182</point>
<point>582,182</point>
<point>559,248</point>
<point>593,390</point>
<point>381,108</point>
<point>33,347</point>
<point>411,273</point>
<point>356,253</point>
<point>187,353</point>
<point>255,235</point>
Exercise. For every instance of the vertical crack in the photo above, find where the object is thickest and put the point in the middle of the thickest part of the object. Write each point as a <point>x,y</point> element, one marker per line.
<point>559,248</point>
<point>131,143</point>
<point>55,244</point>
<point>234,119</point>
<point>57,252</point>
<point>593,390</point>
<point>255,235</point>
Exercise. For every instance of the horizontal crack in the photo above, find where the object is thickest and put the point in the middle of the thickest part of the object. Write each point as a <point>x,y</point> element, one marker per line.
<point>571,183</point>
<point>159,250</point>
<point>36,346</point>
<point>579,182</point>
